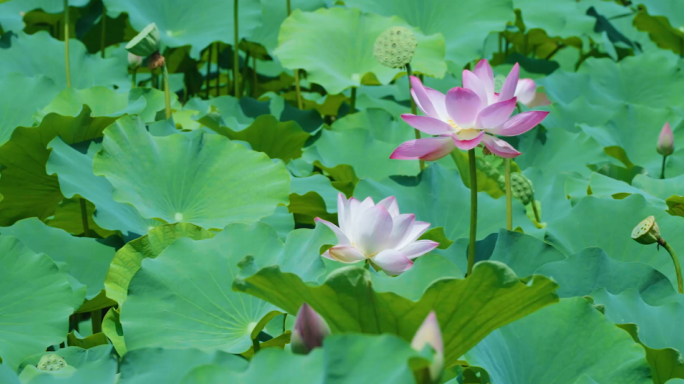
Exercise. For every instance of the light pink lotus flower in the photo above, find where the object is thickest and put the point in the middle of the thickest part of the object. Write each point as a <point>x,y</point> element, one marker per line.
<point>666,141</point>
<point>467,116</point>
<point>429,334</point>
<point>377,232</point>
<point>309,330</point>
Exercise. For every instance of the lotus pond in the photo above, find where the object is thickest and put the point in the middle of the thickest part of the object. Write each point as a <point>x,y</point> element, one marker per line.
<point>353,191</point>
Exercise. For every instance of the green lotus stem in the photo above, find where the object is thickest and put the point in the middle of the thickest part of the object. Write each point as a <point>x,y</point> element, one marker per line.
<point>255,81</point>
<point>289,9</point>
<point>135,76</point>
<point>104,31</point>
<point>208,89</point>
<point>284,316</point>
<point>257,346</point>
<point>509,195</point>
<point>96,320</point>
<point>66,42</point>
<point>84,218</point>
<point>662,171</point>
<point>167,91</point>
<point>675,260</point>
<point>236,61</point>
<point>537,216</point>
<point>473,210</point>
<point>218,71</point>
<point>352,103</point>
<point>413,109</point>
<point>244,74</point>
<point>300,103</point>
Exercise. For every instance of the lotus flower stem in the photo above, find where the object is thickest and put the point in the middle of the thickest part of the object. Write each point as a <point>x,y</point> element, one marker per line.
<point>300,103</point>
<point>66,42</point>
<point>255,80</point>
<point>210,53</point>
<point>96,320</point>
<point>104,31</point>
<point>256,345</point>
<point>473,210</point>
<point>167,91</point>
<point>413,108</point>
<point>662,171</point>
<point>135,75</point>
<point>675,260</point>
<point>509,195</point>
<point>537,216</point>
<point>236,50</point>
<point>289,8</point>
<point>352,103</point>
<point>218,71</point>
<point>244,74</point>
<point>84,218</point>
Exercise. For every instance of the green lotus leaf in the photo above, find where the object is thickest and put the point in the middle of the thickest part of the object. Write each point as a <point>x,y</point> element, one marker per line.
<point>663,21</point>
<point>74,356</point>
<point>17,108</point>
<point>169,366</point>
<point>345,57</point>
<point>68,217</point>
<point>319,184</point>
<point>465,26</point>
<point>606,187</point>
<point>36,54</point>
<point>174,284</point>
<point>27,189</point>
<point>274,12</point>
<point>380,123</point>
<point>349,304</point>
<point>548,350</point>
<point>12,13</point>
<point>675,205</point>
<point>523,253</point>
<point>558,18</point>
<point>100,371</point>
<point>31,283</point>
<point>607,224</point>
<point>661,188</point>
<point>197,24</point>
<point>197,178</point>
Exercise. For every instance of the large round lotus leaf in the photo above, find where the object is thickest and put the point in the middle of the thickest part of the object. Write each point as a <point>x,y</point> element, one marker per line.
<point>607,187</point>
<point>345,56</point>
<point>169,366</point>
<point>268,135</point>
<point>17,107</point>
<point>27,189</point>
<point>36,302</point>
<point>467,309</point>
<point>464,25</point>
<point>608,224</point>
<point>197,23</point>
<point>188,287</point>
<point>570,342</point>
<point>274,12</point>
<point>74,356</point>
<point>523,253</point>
<point>103,371</point>
<point>12,13</point>
<point>37,54</point>
<point>673,10</point>
<point>86,259</point>
<point>197,178</point>
<point>558,18</point>
<point>319,184</point>
<point>660,188</point>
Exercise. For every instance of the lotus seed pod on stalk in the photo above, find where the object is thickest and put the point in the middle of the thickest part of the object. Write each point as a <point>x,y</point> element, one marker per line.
<point>395,47</point>
<point>647,232</point>
<point>146,42</point>
<point>309,330</point>
<point>522,188</point>
<point>51,362</point>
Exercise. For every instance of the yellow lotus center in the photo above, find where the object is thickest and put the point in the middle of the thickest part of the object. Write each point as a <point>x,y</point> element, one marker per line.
<point>463,133</point>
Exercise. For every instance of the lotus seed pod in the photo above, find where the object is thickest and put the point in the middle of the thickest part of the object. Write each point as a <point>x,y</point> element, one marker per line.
<point>146,42</point>
<point>499,81</point>
<point>51,362</point>
<point>521,188</point>
<point>395,47</point>
<point>665,141</point>
<point>647,232</point>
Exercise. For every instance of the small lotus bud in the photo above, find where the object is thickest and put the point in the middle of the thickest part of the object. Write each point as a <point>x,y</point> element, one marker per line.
<point>647,232</point>
<point>309,330</point>
<point>134,60</point>
<point>146,42</point>
<point>51,362</point>
<point>395,47</point>
<point>429,334</point>
<point>666,141</point>
<point>521,188</point>
<point>526,91</point>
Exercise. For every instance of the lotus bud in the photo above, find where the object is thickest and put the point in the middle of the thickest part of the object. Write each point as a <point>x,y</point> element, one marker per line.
<point>429,334</point>
<point>666,141</point>
<point>309,330</point>
<point>51,362</point>
<point>134,61</point>
<point>395,47</point>
<point>146,42</point>
<point>647,232</point>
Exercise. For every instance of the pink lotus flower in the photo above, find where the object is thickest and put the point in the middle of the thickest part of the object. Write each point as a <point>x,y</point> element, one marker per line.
<point>467,116</point>
<point>429,334</point>
<point>377,232</point>
<point>665,141</point>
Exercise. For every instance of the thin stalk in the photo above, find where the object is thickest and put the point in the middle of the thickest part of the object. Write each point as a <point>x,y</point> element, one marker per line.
<point>255,80</point>
<point>104,31</point>
<point>66,42</point>
<point>352,103</point>
<point>675,260</point>
<point>256,345</point>
<point>413,109</point>
<point>135,75</point>
<point>537,216</point>
<point>473,210</point>
<point>284,321</point>
<point>96,320</point>
<point>509,195</point>
<point>300,103</point>
<point>211,51</point>
<point>236,61</point>
<point>289,9</point>
<point>218,71</point>
<point>167,91</point>
<point>84,218</point>
<point>244,74</point>
<point>662,171</point>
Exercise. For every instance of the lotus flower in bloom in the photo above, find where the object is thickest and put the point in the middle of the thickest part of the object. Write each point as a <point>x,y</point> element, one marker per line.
<point>429,334</point>
<point>309,330</point>
<point>467,116</point>
<point>377,232</point>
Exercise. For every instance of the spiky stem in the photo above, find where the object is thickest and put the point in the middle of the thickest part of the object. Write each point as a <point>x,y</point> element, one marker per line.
<point>675,260</point>
<point>103,33</point>
<point>167,91</point>
<point>236,60</point>
<point>96,320</point>
<point>84,218</point>
<point>66,41</point>
<point>509,195</point>
<point>662,171</point>
<point>473,210</point>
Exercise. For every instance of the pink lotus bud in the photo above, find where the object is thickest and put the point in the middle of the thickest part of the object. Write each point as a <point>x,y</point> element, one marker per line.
<point>309,330</point>
<point>525,91</point>
<point>666,141</point>
<point>134,60</point>
<point>429,334</point>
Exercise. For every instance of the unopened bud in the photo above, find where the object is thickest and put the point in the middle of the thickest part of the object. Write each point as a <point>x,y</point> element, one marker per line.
<point>526,91</point>
<point>51,362</point>
<point>647,232</point>
<point>666,141</point>
<point>429,334</point>
<point>134,60</point>
<point>146,42</point>
<point>309,330</point>
<point>395,47</point>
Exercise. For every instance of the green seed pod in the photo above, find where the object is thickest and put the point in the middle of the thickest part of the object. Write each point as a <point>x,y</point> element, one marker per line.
<point>146,42</point>
<point>51,362</point>
<point>395,47</point>
<point>521,188</point>
<point>647,232</point>
<point>499,81</point>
